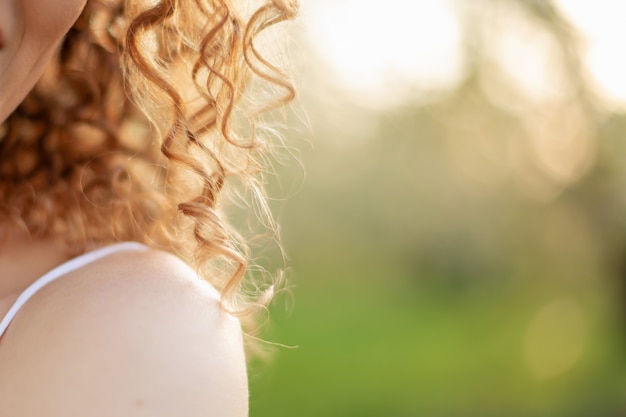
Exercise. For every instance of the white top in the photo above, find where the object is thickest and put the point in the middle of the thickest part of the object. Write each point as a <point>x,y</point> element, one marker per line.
<point>62,270</point>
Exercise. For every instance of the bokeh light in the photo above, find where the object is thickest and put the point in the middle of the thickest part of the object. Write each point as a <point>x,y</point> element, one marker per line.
<point>556,338</point>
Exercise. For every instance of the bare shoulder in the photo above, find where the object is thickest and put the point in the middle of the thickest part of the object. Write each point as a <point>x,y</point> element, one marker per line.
<point>136,333</point>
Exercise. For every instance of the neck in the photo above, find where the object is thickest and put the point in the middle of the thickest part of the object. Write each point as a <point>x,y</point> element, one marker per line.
<point>23,259</point>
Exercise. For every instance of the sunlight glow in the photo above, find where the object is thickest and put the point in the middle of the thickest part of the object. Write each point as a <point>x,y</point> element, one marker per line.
<point>381,50</point>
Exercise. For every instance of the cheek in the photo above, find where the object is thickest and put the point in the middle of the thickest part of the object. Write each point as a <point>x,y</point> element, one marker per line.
<point>50,19</point>
<point>32,29</point>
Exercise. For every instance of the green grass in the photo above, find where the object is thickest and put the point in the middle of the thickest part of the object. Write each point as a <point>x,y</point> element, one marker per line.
<point>374,350</point>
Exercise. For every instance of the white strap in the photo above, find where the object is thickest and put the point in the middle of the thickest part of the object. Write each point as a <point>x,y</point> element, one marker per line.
<point>61,270</point>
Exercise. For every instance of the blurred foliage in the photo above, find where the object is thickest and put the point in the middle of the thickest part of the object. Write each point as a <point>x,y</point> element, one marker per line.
<point>461,254</point>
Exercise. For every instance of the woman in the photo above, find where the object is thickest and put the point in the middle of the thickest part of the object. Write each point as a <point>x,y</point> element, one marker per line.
<point>121,127</point>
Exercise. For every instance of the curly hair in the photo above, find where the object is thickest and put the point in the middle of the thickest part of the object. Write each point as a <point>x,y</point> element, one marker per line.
<point>137,123</point>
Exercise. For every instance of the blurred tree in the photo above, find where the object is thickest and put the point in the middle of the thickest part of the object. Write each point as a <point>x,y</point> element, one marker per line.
<point>443,249</point>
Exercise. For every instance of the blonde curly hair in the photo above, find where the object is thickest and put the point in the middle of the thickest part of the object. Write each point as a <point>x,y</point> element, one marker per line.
<point>136,125</point>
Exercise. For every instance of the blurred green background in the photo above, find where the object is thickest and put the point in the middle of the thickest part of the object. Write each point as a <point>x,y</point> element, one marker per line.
<point>457,236</point>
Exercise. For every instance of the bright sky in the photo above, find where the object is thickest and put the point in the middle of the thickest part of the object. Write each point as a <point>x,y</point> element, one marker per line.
<point>399,44</point>
<point>414,45</point>
<point>602,23</point>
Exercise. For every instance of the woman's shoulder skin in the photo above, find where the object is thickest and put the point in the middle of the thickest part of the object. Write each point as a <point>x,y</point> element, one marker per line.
<point>133,334</point>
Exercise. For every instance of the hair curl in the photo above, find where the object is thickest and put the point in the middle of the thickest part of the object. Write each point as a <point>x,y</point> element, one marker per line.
<point>134,128</point>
